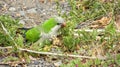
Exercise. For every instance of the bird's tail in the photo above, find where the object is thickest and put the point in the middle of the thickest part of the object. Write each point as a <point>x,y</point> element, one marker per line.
<point>22,31</point>
<point>24,28</point>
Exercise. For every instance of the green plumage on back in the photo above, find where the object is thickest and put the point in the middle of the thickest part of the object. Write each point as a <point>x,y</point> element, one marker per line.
<point>34,33</point>
<point>46,26</point>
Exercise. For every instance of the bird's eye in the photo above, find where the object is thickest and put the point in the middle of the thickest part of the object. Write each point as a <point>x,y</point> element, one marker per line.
<point>58,23</point>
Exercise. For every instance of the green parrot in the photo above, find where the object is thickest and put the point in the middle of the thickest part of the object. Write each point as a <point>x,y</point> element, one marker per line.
<point>45,30</point>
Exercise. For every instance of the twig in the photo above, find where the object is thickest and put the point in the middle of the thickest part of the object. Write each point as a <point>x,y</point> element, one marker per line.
<point>8,47</point>
<point>65,55</point>
<point>55,54</point>
<point>91,30</point>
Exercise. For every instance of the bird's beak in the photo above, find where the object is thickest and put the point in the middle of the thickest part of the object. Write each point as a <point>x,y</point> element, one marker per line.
<point>63,25</point>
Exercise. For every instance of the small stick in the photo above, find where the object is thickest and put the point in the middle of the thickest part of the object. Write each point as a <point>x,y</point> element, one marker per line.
<point>55,54</point>
<point>91,30</point>
<point>49,53</point>
<point>8,47</point>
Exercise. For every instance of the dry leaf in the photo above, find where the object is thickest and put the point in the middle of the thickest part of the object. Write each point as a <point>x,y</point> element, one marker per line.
<point>101,23</point>
<point>4,7</point>
<point>32,58</point>
<point>104,21</point>
<point>98,51</point>
<point>56,41</point>
<point>78,47</point>
<point>47,48</point>
<point>41,1</point>
<point>17,14</point>
<point>94,26</point>
<point>117,22</point>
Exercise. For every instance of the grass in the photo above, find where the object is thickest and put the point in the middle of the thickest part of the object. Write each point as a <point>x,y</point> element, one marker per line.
<point>10,24</point>
<point>91,10</point>
<point>87,43</point>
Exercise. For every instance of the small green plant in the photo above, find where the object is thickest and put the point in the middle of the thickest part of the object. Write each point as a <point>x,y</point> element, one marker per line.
<point>68,39</point>
<point>91,10</point>
<point>70,42</point>
<point>11,25</point>
<point>88,39</point>
<point>118,59</point>
<point>10,58</point>
<point>20,40</point>
<point>93,62</point>
<point>79,63</point>
<point>73,63</point>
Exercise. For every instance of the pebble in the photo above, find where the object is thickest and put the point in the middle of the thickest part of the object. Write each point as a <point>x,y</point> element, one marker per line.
<point>33,10</point>
<point>21,22</point>
<point>22,13</point>
<point>12,9</point>
<point>57,64</point>
<point>40,63</point>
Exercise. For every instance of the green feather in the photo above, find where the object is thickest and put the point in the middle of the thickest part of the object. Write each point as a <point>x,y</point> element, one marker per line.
<point>46,26</point>
<point>34,33</point>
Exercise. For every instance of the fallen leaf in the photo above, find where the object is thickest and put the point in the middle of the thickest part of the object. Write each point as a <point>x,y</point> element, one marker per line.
<point>32,58</point>
<point>78,47</point>
<point>5,8</point>
<point>47,48</point>
<point>41,1</point>
<point>117,22</point>
<point>56,41</point>
<point>84,60</point>
<point>104,21</point>
<point>101,23</point>
<point>57,64</point>
<point>98,51</point>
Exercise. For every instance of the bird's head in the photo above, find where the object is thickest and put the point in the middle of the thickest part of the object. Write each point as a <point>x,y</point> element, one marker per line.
<point>60,21</point>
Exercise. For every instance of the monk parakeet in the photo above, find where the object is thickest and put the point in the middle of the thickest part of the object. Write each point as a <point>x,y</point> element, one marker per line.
<point>45,30</point>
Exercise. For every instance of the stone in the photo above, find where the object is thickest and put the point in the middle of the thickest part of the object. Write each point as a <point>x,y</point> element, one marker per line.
<point>33,10</point>
<point>22,22</point>
<point>12,9</point>
<point>57,64</point>
<point>22,13</point>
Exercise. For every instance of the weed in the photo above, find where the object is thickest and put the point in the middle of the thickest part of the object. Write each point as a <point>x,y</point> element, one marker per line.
<point>10,58</point>
<point>11,25</point>
<point>91,10</point>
